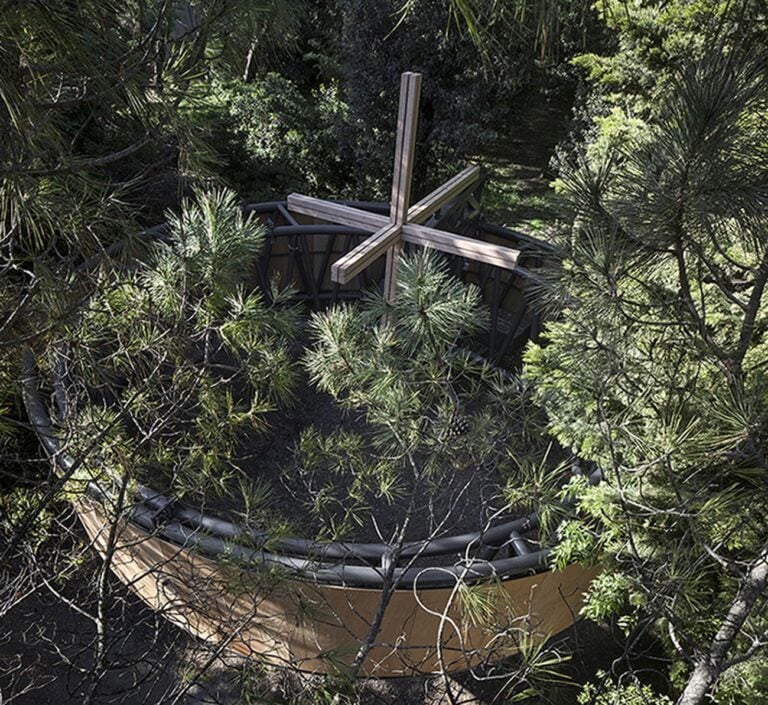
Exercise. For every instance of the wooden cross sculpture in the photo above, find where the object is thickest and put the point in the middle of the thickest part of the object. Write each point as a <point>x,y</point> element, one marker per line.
<point>404,222</point>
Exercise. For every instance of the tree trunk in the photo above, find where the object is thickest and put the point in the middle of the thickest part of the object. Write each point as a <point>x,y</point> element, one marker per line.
<point>248,70</point>
<point>710,665</point>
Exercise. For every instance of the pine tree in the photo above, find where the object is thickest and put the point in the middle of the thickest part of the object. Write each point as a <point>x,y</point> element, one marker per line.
<point>439,420</point>
<point>177,357</point>
<point>655,369</point>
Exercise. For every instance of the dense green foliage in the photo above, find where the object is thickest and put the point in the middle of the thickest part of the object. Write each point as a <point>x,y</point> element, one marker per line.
<point>174,360</point>
<point>438,419</point>
<point>652,39</point>
<point>322,119</point>
<point>653,364</point>
<point>462,106</point>
<point>656,368</point>
<point>629,78</point>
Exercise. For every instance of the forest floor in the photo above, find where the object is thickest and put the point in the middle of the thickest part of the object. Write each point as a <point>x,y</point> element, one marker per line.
<point>518,193</point>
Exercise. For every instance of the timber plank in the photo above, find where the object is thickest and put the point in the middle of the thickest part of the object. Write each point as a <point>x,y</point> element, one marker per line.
<point>351,264</point>
<point>477,250</point>
<point>496,255</point>
<point>405,148</point>
<point>421,211</point>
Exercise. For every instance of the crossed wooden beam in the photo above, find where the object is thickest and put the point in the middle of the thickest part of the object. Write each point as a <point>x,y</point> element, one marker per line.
<point>405,221</point>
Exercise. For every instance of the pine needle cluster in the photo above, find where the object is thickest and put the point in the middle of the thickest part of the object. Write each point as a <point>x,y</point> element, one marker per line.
<point>182,352</point>
<point>438,419</point>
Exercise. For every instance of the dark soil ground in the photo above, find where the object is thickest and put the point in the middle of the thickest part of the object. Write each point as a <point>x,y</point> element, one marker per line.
<point>459,501</point>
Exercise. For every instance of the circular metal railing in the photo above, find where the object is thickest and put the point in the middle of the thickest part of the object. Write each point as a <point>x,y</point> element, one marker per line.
<point>504,550</point>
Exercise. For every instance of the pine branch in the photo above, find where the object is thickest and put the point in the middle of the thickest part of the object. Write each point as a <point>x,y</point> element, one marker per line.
<point>711,665</point>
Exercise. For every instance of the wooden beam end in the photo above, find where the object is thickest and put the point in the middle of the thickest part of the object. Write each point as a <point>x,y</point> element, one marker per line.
<point>338,275</point>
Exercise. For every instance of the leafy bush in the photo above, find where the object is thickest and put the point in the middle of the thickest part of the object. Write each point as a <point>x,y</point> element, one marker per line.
<point>292,134</point>
<point>270,137</point>
<point>629,79</point>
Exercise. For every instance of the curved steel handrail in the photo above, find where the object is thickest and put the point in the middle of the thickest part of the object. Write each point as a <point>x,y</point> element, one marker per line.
<point>186,527</point>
